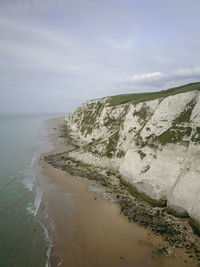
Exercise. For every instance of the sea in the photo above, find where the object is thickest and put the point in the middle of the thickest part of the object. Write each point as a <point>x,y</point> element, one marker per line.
<point>24,239</point>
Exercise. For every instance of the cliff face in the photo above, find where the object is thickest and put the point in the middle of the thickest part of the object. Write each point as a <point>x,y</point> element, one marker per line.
<point>153,143</point>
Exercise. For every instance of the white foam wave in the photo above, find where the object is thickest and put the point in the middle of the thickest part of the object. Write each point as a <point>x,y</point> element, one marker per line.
<point>38,199</point>
<point>29,174</point>
<point>33,159</point>
<point>30,208</point>
<point>49,246</point>
<point>48,237</point>
<point>33,208</point>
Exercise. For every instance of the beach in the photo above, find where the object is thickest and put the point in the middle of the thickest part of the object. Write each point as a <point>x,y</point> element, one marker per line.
<point>87,227</point>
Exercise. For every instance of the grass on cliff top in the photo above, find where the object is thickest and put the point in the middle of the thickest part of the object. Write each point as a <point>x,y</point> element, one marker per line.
<point>141,97</point>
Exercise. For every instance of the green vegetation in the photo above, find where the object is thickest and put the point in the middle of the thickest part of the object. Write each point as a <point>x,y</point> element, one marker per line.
<point>113,123</point>
<point>110,172</point>
<point>141,97</point>
<point>120,154</point>
<point>134,192</point>
<point>173,135</point>
<point>146,169</point>
<point>195,226</point>
<point>143,113</point>
<point>109,121</point>
<point>132,129</point>
<point>90,115</point>
<point>141,153</point>
<point>176,213</point>
<point>198,130</point>
<point>186,114</point>
<point>149,141</point>
<point>96,145</point>
<point>109,147</point>
<point>196,136</point>
<point>178,132</point>
<point>112,143</point>
<point>78,163</point>
<point>92,147</point>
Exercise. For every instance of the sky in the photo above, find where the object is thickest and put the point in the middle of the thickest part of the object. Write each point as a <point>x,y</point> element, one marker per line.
<point>57,54</point>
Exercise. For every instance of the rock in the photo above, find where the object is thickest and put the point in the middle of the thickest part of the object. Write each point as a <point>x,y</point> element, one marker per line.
<point>153,144</point>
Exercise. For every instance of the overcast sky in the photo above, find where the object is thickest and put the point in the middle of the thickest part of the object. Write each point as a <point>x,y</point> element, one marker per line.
<point>56,54</point>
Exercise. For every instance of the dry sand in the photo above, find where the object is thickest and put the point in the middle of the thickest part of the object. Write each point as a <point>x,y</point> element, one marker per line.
<point>89,231</point>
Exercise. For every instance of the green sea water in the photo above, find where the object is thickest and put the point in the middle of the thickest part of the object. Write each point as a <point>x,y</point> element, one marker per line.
<point>23,238</point>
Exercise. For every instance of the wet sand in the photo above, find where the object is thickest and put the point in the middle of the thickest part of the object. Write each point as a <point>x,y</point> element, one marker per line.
<point>89,230</point>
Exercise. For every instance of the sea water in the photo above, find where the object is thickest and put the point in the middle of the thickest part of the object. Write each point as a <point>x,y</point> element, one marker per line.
<point>23,238</point>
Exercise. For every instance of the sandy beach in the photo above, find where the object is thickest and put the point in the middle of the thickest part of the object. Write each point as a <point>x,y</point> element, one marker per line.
<point>89,229</point>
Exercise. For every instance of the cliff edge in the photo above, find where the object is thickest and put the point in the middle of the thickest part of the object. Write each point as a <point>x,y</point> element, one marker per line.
<point>151,139</point>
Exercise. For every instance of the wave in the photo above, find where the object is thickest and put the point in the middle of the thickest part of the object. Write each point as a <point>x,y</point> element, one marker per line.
<point>29,174</point>
<point>49,246</point>
<point>48,235</point>
<point>30,178</point>
<point>33,208</point>
<point>38,199</point>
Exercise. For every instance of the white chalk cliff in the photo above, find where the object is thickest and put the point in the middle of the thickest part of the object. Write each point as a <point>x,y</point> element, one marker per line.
<point>154,144</point>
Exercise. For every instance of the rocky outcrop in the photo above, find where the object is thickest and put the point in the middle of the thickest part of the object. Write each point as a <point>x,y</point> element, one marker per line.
<point>154,144</point>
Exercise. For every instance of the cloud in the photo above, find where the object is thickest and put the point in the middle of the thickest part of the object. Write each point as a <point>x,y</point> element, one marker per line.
<point>40,59</point>
<point>78,50</point>
<point>27,47</point>
<point>187,72</point>
<point>147,77</point>
<point>158,79</point>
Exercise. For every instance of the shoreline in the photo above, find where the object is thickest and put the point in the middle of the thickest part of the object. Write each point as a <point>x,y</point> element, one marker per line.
<point>174,232</point>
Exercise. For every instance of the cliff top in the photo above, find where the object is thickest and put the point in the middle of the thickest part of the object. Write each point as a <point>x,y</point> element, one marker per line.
<point>141,97</point>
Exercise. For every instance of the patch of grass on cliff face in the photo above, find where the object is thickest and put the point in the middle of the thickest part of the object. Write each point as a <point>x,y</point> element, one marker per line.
<point>141,97</point>
<point>173,135</point>
<point>195,226</point>
<point>176,213</point>
<point>114,123</point>
<point>149,141</point>
<point>186,114</point>
<point>196,135</point>
<point>92,147</point>
<point>112,143</point>
<point>89,117</point>
<point>141,153</point>
<point>178,132</point>
<point>120,154</point>
<point>109,147</point>
<point>144,114</point>
<point>109,121</point>
<point>134,192</point>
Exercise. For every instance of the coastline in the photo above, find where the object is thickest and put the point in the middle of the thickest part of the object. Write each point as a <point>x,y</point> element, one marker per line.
<point>84,218</point>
